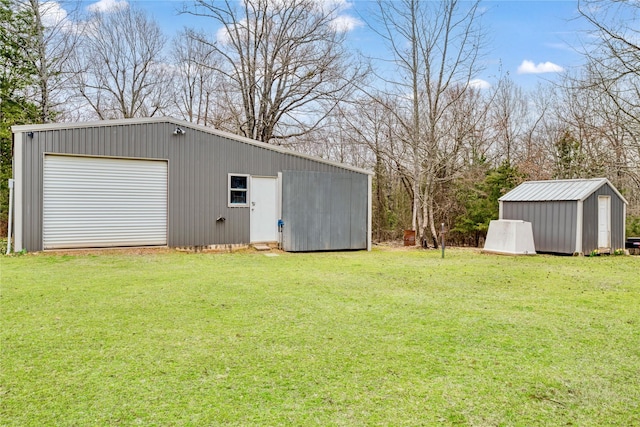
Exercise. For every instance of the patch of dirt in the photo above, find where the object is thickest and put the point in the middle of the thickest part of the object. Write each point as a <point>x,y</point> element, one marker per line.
<point>148,251</point>
<point>398,245</point>
<point>394,246</point>
<point>108,251</point>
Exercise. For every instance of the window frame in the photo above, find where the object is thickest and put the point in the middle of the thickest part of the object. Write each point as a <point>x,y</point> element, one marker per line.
<point>230,189</point>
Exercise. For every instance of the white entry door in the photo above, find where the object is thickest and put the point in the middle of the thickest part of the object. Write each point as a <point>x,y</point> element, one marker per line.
<point>604,221</point>
<point>264,213</point>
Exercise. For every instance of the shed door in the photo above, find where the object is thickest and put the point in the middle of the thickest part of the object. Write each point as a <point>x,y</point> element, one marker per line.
<point>264,216</point>
<point>103,202</point>
<point>604,221</point>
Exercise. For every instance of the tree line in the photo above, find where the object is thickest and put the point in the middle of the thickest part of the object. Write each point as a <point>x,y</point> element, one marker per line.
<point>443,148</point>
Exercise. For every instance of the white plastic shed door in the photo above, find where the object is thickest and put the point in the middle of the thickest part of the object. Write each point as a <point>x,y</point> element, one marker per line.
<point>604,222</point>
<point>91,202</point>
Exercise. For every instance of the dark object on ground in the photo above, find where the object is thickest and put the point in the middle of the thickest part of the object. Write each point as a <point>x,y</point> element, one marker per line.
<point>632,242</point>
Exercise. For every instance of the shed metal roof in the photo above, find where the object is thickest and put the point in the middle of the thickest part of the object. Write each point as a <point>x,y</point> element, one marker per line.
<point>557,190</point>
<point>183,124</point>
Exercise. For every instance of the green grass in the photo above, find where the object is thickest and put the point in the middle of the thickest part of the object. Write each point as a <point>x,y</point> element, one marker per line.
<point>397,338</point>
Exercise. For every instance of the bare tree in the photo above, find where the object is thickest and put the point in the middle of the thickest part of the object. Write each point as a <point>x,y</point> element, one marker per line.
<point>613,73</point>
<point>54,38</point>
<point>368,123</point>
<point>285,60</point>
<point>606,139</point>
<point>510,118</point>
<point>436,48</point>
<point>614,57</point>
<point>199,91</point>
<point>119,70</point>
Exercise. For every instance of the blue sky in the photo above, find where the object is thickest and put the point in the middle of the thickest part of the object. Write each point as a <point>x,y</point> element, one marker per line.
<point>542,32</point>
<point>532,41</point>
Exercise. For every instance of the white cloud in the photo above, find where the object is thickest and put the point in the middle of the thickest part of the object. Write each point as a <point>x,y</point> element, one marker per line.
<point>222,35</point>
<point>345,23</point>
<point>341,21</point>
<point>529,67</point>
<point>52,14</point>
<point>333,6</point>
<point>479,84</point>
<point>106,6</point>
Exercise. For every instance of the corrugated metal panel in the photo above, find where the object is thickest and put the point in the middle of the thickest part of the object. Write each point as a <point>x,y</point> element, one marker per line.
<point>359,207</point>
<point>558,190</point>
<point>103,202</point>
<point>553,223</point>
<point>339,229</point>
<point>324,211</point>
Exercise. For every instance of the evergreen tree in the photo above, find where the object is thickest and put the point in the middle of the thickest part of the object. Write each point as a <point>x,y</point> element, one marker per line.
<point>481,201</point>
<point>16,74</point>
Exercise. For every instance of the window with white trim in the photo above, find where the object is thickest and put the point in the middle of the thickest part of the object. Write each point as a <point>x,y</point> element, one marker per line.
<point>238,190</point>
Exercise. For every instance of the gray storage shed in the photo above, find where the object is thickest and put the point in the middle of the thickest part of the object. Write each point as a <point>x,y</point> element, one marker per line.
<point>572,216</point>
<point>166,182</point>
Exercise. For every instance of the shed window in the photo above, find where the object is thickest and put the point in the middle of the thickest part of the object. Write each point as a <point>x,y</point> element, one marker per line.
<point>238,190</point>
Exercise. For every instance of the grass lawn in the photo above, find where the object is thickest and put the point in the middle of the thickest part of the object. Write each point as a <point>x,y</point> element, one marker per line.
<point>390,337</point>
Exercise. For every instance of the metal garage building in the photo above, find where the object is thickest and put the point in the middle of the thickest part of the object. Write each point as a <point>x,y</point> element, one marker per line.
<point>574,216</point>
<point>165,182</point>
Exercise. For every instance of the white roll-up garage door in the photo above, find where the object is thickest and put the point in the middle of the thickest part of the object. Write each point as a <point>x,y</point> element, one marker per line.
<point>103,202</point>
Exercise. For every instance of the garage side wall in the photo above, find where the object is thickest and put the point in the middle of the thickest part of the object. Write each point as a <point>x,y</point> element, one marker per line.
<point>198,168</point>
<point>324,211</point>
<point>590,224</point>
<point>553,223</point>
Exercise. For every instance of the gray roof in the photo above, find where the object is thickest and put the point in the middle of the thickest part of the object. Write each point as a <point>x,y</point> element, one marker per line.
<point>557,190</point>
<point>183,124</point>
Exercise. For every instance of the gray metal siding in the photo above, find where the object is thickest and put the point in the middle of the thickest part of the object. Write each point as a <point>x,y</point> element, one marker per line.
<point>553,223</point>
<point>590,222</point>
<point>324,211</point>
<point>359,211</point>
<point>199,163</point>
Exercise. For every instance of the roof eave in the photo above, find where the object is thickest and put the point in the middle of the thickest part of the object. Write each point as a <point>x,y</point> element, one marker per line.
<point>587,194</point>
<point>186,124</point>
